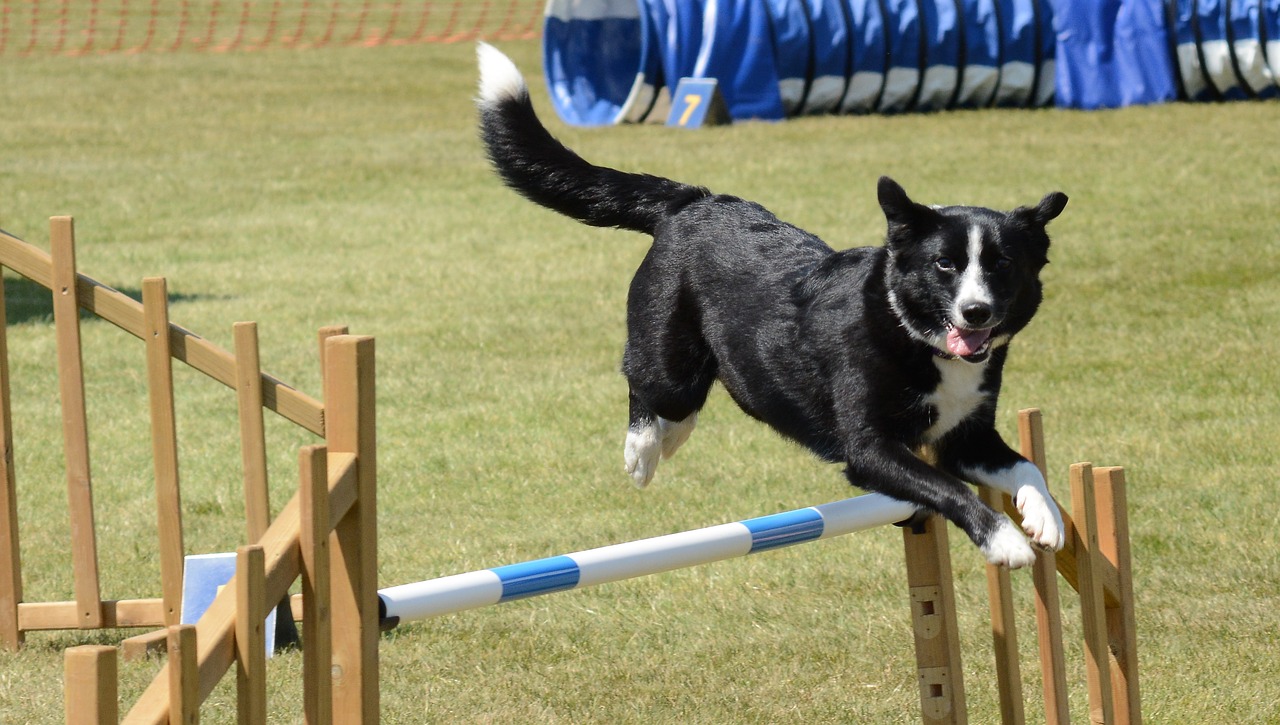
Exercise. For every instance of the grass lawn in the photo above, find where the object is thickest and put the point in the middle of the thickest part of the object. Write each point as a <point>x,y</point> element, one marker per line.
<point>347,186</point>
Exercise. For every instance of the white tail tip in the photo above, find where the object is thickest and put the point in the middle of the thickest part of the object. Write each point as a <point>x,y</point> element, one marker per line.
<point>499,77</point>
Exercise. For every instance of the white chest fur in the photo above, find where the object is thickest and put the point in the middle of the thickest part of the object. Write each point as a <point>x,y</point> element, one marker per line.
<point>958,394</point>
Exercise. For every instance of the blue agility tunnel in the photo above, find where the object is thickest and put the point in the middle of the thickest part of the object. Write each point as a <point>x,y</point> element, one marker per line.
<point>611,61</point>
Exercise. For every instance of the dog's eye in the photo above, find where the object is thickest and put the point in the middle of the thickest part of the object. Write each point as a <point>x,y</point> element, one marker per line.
<point>945,264</point>
<point>1004,263</point>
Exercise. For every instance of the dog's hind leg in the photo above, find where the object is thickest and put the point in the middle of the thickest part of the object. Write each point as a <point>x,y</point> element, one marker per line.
<point>650,438</point>
<point>664,405</point>
<point>675,433</point>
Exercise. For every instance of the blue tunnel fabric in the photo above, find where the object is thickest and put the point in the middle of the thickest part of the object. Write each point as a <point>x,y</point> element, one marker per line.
<point>1270,24</point>
<point>980,30</point>
<point>600,60</point>
<point>870,56</point>
<point>832,55</point>
<point>1114,53</point>
<point>611,61</point>
<point>1247,37</point>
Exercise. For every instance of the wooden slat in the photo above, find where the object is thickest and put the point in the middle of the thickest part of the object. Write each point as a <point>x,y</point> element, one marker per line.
<point>1004,632</point>
<point>10,552</point>
<point>1122,631</point>
<point>75,430</point>
<point>141,646</point>
<point>33,616</point>
<point>183,675</point>
<point>933,615</point>
<point>251,636</point>
<point>164,444</point>
<point>1092,603</point>
<point>126,313</point>
<point>253,438</point>
<point>89,685</point>
<point>216,629</point>
<point>317,642</point>
<point>349,409</point>
<point>325,333</point>
<point>1044,573</point>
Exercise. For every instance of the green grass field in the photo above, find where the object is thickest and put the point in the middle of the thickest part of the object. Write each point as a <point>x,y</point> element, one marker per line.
<point>347,186</point>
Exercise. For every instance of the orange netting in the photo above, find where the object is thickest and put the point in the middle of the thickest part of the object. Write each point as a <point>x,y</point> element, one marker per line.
<point>80,27</point>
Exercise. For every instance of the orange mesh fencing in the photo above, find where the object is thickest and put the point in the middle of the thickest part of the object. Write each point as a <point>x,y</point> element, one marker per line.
<point>83,27</point>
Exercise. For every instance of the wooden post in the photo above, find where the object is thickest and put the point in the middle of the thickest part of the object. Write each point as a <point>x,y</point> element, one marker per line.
<point>349,428</point>
<point>325,333</point>
<point>1053,659</point>
<point>933,617</point>
<point>317,643</point>
<point>1004,632</point>
<point>253,442</point>
<point>251,639</point>
<point>66,317</point>
<point>89,685</point>
<point>184,676</point>
<point>164,445</point>
<point>1092,603</point>
<point>10,552</point>
<point>1122,633</point>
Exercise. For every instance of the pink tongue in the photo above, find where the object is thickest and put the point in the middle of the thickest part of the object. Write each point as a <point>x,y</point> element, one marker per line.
<point>966,342</point>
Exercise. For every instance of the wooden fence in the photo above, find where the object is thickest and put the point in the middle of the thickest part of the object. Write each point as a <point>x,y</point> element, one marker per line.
<point>327,533</point>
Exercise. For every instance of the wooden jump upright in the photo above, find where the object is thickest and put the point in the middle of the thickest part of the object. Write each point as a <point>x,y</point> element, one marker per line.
<point>1095,562</point>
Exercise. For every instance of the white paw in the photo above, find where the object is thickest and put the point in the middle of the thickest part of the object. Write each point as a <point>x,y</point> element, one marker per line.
<point>1008,547</point>
<point>641,454</point>
<point>675,433</point>
<point>1041,519</point>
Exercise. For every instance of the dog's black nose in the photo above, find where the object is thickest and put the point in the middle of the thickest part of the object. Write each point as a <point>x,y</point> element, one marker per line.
<point>976,313</point>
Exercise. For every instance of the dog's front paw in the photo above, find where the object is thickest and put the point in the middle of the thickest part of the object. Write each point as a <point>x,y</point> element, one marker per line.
<point>1041,519</point>
<point>641,454</point>
<point>1008,547</point>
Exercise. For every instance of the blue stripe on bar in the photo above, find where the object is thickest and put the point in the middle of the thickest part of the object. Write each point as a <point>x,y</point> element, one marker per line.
<point>784,529</point>
<point>543,576</point>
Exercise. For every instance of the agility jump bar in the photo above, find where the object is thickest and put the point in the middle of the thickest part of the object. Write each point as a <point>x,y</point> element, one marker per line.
<point>446,595</point>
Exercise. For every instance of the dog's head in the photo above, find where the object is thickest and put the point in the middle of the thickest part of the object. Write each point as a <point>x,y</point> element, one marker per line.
<point>964,279</point>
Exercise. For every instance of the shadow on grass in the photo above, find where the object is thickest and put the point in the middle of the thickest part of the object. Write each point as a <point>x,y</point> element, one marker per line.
<point>27,301</point>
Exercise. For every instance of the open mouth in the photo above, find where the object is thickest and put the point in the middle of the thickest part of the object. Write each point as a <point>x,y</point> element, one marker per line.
<point>967,344</point>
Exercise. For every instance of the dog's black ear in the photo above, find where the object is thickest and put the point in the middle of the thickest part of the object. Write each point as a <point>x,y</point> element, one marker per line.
<point>1046,211</point>
<point>898,208</point>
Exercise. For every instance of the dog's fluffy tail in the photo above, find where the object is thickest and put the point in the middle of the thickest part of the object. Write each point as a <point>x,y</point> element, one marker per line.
<point>531,161</point>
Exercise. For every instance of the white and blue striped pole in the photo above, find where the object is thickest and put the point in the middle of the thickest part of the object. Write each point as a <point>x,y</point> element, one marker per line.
<point>483,588</point>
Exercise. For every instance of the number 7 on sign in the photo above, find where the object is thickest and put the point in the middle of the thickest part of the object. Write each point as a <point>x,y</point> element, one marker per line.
<point>697,103</point>
<point>691,101</point>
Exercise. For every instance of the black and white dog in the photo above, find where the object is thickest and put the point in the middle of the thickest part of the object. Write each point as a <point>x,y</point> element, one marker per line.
<point>863,356</point>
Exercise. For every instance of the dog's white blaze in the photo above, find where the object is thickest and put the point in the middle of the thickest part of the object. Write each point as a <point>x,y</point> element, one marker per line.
<point>499,77</point>
<point>958,394</point>
<point>973,288</point>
